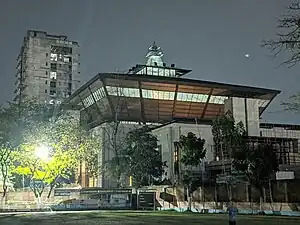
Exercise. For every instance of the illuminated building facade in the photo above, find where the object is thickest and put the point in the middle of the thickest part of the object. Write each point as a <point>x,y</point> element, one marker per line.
<point>158,95</point>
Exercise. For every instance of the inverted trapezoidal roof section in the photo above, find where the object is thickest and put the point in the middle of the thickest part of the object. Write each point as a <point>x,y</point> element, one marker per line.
<point>159,99</point>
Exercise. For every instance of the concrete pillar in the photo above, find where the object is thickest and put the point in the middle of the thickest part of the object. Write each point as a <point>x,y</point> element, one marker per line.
<point>171,150</point>
<point>246,111</point>
<point>285,192</point>
<point>247,192</point>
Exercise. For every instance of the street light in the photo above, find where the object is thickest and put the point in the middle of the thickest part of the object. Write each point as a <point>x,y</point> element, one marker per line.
<point>42,152</point>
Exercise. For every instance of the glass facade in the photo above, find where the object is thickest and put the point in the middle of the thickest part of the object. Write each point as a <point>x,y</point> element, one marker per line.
<point>152,94</point>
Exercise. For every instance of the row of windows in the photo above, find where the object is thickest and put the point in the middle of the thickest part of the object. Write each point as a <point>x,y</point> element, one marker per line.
<point>152,94</point>
<point>54,75</point>
<point>55,57</point>
<point>165,95</point>
<point>98,94</point>
<point>126,92</point>
<point>158,71</point>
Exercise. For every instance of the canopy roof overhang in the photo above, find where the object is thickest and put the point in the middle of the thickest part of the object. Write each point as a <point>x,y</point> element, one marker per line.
<point>157,99</point>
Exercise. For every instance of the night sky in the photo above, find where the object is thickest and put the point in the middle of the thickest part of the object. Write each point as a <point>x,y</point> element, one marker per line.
<point>211,37</point>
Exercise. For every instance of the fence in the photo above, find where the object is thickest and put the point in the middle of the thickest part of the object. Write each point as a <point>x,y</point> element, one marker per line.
<point>155,198</point>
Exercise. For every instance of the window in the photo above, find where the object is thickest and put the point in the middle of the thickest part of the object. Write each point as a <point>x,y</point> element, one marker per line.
<point>53,84</point>
<point>217,99</point>
<point>46,63</point>
<point>46,82</point>
<point>53,57</point>
<point>46,90</point>
<point>46,72</point>
<point>52,92</point>
<point>53,75</point>
<point>66,59</point>
<point>53,66</point>
<point>47,54</point>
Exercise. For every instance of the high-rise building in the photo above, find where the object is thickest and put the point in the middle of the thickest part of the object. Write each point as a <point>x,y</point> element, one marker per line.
<point>47,68</point>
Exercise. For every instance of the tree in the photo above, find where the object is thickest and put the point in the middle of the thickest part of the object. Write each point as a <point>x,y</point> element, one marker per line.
<point>31,166</point>
<point>293,103</point>
<point>6,149</point>
<point>258,164</point>
<point>66,145</point>
<point>191,154</point>
<point>140,158</point>
<point>288,38</point>
<point>6,166</point>
<point>116,132</point>
<point>228,137</point>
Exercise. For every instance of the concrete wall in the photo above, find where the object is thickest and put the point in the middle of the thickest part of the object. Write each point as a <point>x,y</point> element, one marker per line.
<point>245,111</point>
<point>107,151</point>
<point>252,109</point>
<point>167,135</point>
<point>36,69</point>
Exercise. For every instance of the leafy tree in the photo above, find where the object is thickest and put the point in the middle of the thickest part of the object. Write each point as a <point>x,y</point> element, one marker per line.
<point>68,144</point>
<point>192,150</point>
<point>140,158</point>
<point>228,138</point>
<point>227,135</point>
<point>6,149</point>
<point>258,164</point>
<point>191,154</point>
<point>288,37</point>
<point>6,166</point>
<point>29,165</point>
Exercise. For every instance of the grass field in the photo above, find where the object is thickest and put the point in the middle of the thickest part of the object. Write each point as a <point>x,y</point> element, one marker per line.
<point>145,218</point>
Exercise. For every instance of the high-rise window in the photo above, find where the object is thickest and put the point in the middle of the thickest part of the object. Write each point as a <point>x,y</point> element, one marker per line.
<point>53,84</point>
<point>52,92</point>
<point>53,57</point>
<point>53,75</point>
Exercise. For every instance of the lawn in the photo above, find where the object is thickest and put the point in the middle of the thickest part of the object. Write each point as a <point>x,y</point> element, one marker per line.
<point>145,218</point>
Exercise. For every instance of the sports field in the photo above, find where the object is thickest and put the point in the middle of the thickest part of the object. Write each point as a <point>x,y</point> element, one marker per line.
<point>146,218</point>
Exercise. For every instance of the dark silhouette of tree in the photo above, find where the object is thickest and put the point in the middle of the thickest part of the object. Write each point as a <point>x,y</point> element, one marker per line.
<point>191,153</point>
<point>288,37</point>
<point>258,164</point>
<point>228,138</point>
<point>140,158</point>
<point>288,40</point>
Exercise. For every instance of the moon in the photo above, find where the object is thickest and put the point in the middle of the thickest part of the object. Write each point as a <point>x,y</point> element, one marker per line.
<point>247,55</point>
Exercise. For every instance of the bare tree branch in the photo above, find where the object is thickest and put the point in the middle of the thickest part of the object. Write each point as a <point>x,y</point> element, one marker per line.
<point>288,39</point>
<point>293,103</point>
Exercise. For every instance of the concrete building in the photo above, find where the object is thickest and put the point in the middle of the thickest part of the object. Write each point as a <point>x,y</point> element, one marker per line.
<point>47,68</point>
<point>156,94</point>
